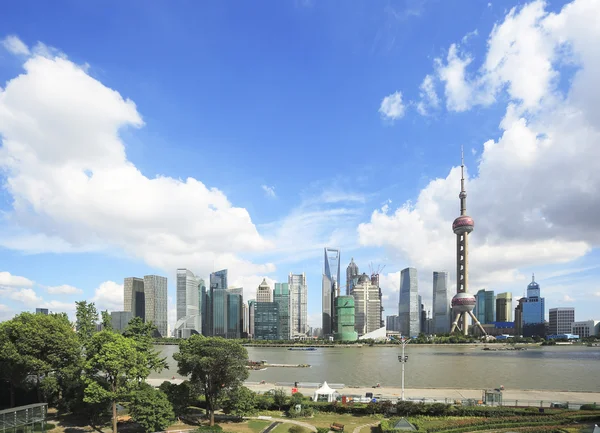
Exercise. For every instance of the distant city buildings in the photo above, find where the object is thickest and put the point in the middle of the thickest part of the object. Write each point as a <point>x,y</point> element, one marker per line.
<point>531,312</point>
<point>120,319</point>
<point>561,320</point>
<point>345,319</point>
<point>266,321</point>
<point>485,307</point>
<point>409,308</point>
<point>189,319</point>
<point>441,304</point>
<point>264,293</point>
<point>586,328</point>
<point>147,298</point>
<point>281,296</point>
<point>392,323</point>
<point>41,311</point>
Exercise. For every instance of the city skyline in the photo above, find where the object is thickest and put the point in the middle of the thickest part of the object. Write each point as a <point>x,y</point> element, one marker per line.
<point>133,138</point>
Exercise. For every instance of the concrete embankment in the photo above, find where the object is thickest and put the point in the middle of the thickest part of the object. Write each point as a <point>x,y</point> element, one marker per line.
<point>511,397</point>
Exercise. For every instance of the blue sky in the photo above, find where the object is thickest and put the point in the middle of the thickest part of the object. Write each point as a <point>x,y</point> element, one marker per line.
<point>144,136</point>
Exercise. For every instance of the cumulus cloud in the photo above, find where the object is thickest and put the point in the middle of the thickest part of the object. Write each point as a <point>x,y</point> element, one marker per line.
<point>15,45</point>
<point>74,189</point>
<point>8,280</point>
<point>391,107</point>
<point>534,192</point>
<point>64,289</point>
<point>428,96</point>
<point>269,191</point>
<point>109,296</point>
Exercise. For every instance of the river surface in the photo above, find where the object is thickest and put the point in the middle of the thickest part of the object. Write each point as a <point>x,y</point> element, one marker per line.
<point>564,368</point>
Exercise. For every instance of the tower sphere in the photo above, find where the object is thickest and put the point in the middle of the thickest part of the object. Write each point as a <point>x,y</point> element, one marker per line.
<point>463,224</point>
<point>463,302</point>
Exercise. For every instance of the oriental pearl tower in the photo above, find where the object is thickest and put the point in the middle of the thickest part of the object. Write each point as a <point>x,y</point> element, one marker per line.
<point>463,302</point>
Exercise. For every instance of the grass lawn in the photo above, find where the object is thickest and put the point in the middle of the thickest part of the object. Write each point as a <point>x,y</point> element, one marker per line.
<point>250,426</point>
<point>282,428</point>
<point>350,421</point>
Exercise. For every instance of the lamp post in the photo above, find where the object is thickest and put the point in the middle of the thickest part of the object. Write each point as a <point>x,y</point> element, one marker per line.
<point>403,359</point>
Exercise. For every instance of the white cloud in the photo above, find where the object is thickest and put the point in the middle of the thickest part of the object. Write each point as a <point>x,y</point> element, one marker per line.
<point>109,296</point>
<point>6,279</point>
<point>567,298</point>
<point>428,96</point>
<point>25,296</point>
<point>269,191</point>
<point>74,189</point>
<point>534,193</point>
<point>391,106</point>
<point>15,45</point>
<point>64,289</point>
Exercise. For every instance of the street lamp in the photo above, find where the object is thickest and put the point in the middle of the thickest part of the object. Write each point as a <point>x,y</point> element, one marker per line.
<point>403,359</point>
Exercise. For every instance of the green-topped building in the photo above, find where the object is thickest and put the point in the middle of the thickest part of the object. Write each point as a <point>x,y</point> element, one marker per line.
<point>344,323</point>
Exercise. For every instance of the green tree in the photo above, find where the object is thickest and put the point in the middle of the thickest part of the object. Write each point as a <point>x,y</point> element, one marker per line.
<point>85,325</point>
<point>296,398</point>
<point>239,401</point>
<point>279,397</point>
<point>179,396</point>
<point>107,321</point>
<point>150,408</point>
<point>214,365</point>
<point>38,346</point>
<point>115,367</point>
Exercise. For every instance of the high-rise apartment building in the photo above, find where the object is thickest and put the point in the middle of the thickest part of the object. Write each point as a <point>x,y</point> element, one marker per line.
<point>392,323</point>
<point>504,307</point>
<point>352,275</point>
<point>264,293</point>
<point>441,304</point>
<point>299,297</point>
<point>367,306</point>
<point>561,320</point>
<point>147,298</point>
<point>485,307</point>
<point>409,307</point>
<point>331,288</point>
<point>120,319</point>
<point>189,320</point>
<point>281,295</point>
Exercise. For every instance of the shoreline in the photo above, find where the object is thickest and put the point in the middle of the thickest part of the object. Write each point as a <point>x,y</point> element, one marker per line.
<point>533,397</point>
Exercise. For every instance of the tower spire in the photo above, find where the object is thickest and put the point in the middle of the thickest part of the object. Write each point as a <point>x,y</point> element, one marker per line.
<point>463,192</point>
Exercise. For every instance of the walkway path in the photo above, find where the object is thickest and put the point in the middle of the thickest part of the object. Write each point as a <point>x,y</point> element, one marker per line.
<point>286,421</point>
<point>271,427</point>
<point>360,427</point>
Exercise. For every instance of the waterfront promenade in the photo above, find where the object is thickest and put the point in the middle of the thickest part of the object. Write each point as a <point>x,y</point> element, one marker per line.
<point>511,397</point>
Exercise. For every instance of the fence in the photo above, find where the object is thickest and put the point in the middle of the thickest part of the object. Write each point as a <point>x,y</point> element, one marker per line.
<point>23,418</point>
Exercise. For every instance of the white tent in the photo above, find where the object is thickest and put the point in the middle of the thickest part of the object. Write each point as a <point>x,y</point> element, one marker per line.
<point>325,393</point>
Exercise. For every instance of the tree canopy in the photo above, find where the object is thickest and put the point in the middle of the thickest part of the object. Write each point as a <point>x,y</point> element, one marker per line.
<point>214,365</point>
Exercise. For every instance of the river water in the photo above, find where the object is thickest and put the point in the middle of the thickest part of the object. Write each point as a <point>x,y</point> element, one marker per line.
<point>572,368</point>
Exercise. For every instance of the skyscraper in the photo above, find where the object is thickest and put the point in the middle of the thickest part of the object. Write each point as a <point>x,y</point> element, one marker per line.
<point>281,295</point>
<point>266,321</point>
<point>263,293</point>
<point>345,324</point>
<point>155,294</point>
<point>367,306</point>
<point>251,311</point>
<point>188,303</point>
<point>331,287</point>
<point>463,302</point>
<point>147,298</point>
<point>441,306</point>
<point>533,311</point>
<point>352,275</point>
<point>217,308</point>
<point>409,308</point>
<point>504,307</point>
<point>235,319</point>
<point>561,320</point>
<point>298,312</point>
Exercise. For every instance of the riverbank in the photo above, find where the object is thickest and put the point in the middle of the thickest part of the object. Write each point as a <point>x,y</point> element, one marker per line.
<point>516,397</point>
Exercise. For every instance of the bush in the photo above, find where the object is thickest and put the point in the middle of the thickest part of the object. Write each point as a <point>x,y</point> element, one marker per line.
<point>296,429</point>
<point>48,426</point>
<point>322,430</point>
<point>209,429</point>
<point>593,406</point>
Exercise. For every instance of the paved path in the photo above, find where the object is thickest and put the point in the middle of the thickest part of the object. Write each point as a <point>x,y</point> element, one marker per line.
<point>286,421</point>
<point>360,427</point>
<point>271,427</point>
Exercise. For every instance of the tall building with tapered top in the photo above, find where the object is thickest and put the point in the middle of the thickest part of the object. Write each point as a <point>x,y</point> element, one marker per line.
<point>331,288</point>
<point>351,276</point>
<point>463,302</point>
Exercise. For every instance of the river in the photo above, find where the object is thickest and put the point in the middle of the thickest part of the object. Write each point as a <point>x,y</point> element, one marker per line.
<point>572,368</point>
